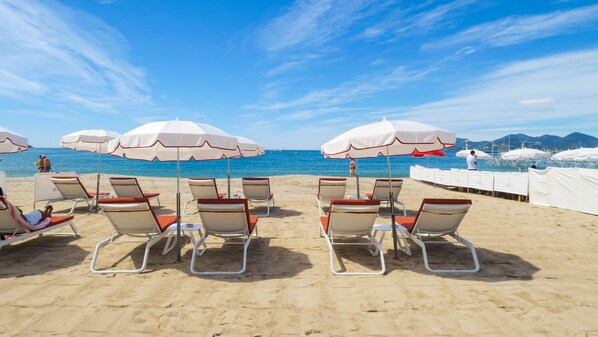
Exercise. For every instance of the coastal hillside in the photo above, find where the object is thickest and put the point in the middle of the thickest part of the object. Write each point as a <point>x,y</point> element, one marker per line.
<point>544,142</point>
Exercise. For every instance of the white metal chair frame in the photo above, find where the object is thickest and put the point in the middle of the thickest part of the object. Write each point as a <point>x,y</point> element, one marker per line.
<point>422,237</point>
<point>197,185</point>
<point>81,196</point>
<point>253,198</point>
<point>327,187</point>
<point>397,184</point>
<point>122,186</point>
<point>330,237</point>
<point>244,235</point>
<point>154,236</point>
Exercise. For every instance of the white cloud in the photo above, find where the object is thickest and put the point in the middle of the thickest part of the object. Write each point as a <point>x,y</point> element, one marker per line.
<point>556,90</point>
<point>518,29</point>
<point>292,64</point>
<point>67,56</point>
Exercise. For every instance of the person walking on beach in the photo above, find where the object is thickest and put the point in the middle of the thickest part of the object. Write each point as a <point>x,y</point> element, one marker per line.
<point>352,167</point>
<point>472,163</point>
<point>47,165</point>
<point>41,164</point>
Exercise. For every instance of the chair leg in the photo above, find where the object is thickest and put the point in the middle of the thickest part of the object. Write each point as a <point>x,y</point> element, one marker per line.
<point>185,207</point>
<point>331,251</point>
<point>109,240</point>
<point>458,238</point>
<point>216,273</point>
<point>72,224</point>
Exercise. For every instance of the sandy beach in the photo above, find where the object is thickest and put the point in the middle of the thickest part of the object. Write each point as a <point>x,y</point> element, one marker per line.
<point>538,275</point>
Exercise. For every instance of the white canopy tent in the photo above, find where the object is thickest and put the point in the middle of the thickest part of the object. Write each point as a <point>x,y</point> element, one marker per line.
<point>388,138</point>
<point>582,154</point>
<point>524,154</point>
<point>175,141</point>
<point>91,141</point>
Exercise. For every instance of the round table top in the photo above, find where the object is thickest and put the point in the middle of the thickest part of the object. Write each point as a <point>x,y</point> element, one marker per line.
<point>388,227</point>
<point>186,227</point>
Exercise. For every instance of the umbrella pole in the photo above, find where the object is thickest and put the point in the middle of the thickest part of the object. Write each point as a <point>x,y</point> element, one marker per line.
<point>178,209</point>
<point>357,178</point>
<point>228,178</point>
<point>392,209</point>
<point>96,207</point>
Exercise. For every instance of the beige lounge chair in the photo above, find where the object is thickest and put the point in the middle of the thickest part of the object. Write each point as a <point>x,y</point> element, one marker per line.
<point>71,188</point>
<point>128,187</point>
<point>228,219</point>
<point>14,228</point>
<point>257,190</point>
<point>350,219</point>
<point>382,189</point>
<point>328,189</point>
<point>132,217</point>
<point>202,188</point>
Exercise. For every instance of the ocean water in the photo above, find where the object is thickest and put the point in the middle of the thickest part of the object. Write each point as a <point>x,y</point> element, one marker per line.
<point>272,163</point>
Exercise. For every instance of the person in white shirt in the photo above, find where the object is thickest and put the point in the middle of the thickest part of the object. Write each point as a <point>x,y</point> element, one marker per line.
<point>37,216</point>
<point>472,163</point>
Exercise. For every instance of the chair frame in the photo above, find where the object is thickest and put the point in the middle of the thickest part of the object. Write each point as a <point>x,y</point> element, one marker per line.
<point>329,236</point>
<point>153,237</point>
<point>118,181</point>
<point>268,200</point>
<point>244,235</point>
<point>85,196</point>
<point>320,201</point>
<point>387,199</point>
<point>421,238</point>
<point>195,197</point>
<point>23,230</point>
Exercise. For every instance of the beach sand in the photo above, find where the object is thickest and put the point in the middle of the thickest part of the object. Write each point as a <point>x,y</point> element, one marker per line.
<point>538,275</point>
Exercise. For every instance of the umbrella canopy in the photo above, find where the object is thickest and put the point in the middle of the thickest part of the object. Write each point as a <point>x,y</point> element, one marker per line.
<point>524,154</point>
<point>436,153</point>
<point>392,138</point>
<point>88,140</point>
<point>388,138</point>
<point>581,154</point>
<point>249,148</point>
<point>12,142</point>
<point>175,141</point>
<point>479,153</point>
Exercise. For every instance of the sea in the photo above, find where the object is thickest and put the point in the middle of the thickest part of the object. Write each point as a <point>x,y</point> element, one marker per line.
<point>273,163</point>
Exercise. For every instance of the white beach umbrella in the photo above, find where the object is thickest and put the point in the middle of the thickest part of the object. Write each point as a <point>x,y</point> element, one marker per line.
<point>581,154</point>
<point>524,154</point>
<point>175,141</point>
<point>479,153</point>
<point>90,141</point>
<point>388,138</point>
<point>12,142</point>
<point>249,148</point>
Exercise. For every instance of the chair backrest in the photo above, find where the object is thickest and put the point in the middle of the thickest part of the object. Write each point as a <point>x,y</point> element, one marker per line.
<point>332,188</point>
<point>203,188</point>
<point>8,225</point>
<point>224,216</point>
<point>256,188</point>
<point>126,187</point>
<point>382,189</point>
<point>440,216</point>
<point>352,217</point>
<point>130,215</point>
<point>70,187</point>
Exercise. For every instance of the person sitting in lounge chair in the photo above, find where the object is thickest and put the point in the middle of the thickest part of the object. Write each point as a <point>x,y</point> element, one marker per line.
<point>37,217</point>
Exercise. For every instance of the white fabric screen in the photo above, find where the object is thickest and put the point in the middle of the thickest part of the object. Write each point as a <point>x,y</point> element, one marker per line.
<point>571,188</point>
<point>509,182</point>
<point>483,181</point>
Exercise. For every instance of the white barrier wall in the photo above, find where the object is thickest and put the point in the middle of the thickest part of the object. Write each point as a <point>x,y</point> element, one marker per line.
<point>511,182</point>
<point>571,188</point>
<point>43,187</point>
<point>483,181</point>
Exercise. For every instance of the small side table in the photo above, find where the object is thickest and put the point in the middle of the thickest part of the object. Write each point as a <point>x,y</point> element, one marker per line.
<point>404,246</point>
<point>185,227</point>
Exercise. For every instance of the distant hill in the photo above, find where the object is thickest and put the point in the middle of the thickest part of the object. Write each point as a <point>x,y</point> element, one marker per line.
<point>544,142</point>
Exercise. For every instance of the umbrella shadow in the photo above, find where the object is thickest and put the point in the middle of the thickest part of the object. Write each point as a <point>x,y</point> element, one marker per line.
<point>279,212</point>
<point>495,266</point>
<point>40,255</point>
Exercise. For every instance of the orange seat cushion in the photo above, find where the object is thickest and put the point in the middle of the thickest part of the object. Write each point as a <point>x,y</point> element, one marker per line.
<point>252,223</point>
<point>325,220</point>
<point>369,195</point>
<point>164,221</point>
<point>93,194</point>
<point>221,195</point>
<point>150,195</point>
<point>56,220</point>
<point>406,221</point>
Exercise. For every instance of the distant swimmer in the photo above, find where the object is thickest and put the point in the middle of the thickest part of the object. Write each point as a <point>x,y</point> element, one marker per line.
<point>472,162</point>
<point>352,167</point>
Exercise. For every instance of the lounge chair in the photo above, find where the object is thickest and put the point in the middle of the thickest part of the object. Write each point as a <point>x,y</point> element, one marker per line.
<point>14,228</point>
<point>228,219</point>
<point>133,217</point>
<point>125,187</point>
<point>437,218</point>
<point>202,188</point>
<point>71,188</point>
<point>382,189</point>
<point>328,189</point>
<point>258,190</point>
<point>350,219</point>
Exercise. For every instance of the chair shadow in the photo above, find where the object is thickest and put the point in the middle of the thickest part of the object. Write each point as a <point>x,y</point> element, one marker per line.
<point>40,255</point>
<point>356,255</point>
<point>276,212</point>
<point>264,262</point>
<point>495,266</point>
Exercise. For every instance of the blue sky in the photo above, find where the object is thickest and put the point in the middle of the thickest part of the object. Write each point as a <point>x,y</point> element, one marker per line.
<point>294,74</point>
